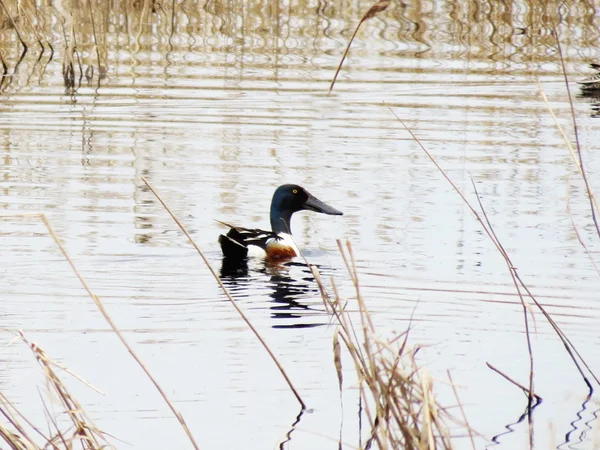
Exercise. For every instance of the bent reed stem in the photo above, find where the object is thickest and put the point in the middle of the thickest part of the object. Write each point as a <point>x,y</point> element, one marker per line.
<point>228,294</point>
<point>114,327</point>
<point>569,347</point>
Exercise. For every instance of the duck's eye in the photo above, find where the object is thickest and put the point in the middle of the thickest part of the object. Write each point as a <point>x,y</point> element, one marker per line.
<point>295,191</point>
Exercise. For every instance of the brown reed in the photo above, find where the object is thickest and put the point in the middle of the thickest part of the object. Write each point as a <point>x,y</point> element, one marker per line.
<point>76,430</point>
<point>375,9</point>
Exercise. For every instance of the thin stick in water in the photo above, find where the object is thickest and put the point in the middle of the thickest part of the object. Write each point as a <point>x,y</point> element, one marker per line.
<point>114,327</point>
<point>228,294</point>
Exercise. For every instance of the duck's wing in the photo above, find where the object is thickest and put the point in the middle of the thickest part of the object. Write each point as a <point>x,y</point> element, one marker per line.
<point>239,241</point>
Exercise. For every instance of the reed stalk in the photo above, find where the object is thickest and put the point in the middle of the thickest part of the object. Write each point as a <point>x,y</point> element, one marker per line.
<point>228,295</point>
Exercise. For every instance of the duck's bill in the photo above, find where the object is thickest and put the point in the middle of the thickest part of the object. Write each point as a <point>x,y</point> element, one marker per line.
<point>314,204</point>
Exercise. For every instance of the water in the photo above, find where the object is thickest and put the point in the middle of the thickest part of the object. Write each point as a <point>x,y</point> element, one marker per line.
<point>235,103</point>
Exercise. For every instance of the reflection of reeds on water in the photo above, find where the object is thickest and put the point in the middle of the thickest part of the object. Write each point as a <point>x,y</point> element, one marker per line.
<point>89,38</point>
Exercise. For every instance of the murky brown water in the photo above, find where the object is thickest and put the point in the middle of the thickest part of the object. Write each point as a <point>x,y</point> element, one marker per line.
<point>235,103</point>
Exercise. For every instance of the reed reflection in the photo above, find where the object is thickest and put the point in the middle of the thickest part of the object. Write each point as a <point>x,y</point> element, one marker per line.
<point>288,435</point>
<point>292,296</point>
<point>511,427</point>
<point>580,428</point>
<point>90,46</point>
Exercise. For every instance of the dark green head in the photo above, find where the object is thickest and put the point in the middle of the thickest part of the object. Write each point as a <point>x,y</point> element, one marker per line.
<point>291,198</point>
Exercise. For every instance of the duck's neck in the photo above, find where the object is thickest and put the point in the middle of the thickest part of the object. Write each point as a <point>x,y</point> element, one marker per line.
<point>280,220</point>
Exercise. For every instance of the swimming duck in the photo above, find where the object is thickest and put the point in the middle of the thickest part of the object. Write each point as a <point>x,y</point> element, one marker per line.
<point>591,83</point>
<point>275,245</point>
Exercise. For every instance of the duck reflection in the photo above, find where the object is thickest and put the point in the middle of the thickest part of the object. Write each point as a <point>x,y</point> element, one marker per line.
<point>593,98</point>
<point>291,286</point>
<point>511,427</point>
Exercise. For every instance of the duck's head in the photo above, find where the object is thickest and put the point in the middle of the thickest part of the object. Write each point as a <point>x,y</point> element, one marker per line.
<point>290,198</point>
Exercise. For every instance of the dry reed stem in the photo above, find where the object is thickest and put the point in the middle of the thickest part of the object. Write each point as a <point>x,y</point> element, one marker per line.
<point>575,159</point>
<point>576,133</point>
<point>337,360</point>
<point>519,385</point>
<point>567,142</point>
<point>142,18</point>
<point>579,238</point>
<point>569,347</point>
<point>375,9</point>
<point>95,40</point>
<point>462,410</point>
<point>22,437</point>
<point>228,294</point>
<point>114,327</point>
<point>26,15</point>
<point>68,68</point>
<point>50,418</point>
<point>492,235</point>
<point>512,270</point>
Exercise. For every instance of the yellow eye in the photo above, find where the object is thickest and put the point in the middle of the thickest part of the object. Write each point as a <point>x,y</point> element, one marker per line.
<point>295,191</point>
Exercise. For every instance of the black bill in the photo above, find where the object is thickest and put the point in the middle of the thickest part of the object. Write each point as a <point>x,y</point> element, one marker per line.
<point>314,204</point>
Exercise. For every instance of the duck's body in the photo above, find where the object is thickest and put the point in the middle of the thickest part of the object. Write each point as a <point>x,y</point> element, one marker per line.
<point>241,243</point>
<point>276,245</point>
<point>592,83</point>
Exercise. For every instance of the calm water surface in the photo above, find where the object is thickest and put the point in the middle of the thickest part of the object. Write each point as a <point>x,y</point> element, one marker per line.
<point>234,104</point>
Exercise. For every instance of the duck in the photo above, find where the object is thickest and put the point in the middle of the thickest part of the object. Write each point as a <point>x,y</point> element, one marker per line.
<point>591,83</point>
<point>278,244</point>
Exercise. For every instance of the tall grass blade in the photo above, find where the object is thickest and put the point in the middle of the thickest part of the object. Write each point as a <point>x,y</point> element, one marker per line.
<point>378,7</point>
<point>576,132</point>
<point>569,347</point>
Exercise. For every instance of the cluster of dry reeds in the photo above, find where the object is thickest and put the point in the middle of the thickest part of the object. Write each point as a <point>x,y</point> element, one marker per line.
<point>398,397</point>
<point>69,429</point>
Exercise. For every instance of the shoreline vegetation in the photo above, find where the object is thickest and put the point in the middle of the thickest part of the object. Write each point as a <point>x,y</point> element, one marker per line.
<point>396,395</point>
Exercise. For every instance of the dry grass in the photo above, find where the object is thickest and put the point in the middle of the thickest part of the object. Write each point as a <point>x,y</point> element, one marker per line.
<point>69,429</point>
<point>397,396</point>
